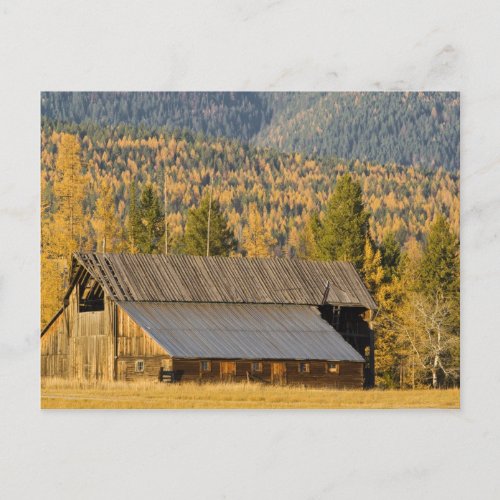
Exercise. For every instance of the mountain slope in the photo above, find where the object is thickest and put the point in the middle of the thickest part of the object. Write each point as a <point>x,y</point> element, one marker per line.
<point>392,127</point>
<point>405,128</point>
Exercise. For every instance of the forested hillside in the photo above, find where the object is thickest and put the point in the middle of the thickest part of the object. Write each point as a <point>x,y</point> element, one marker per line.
<point>285,187</point>
<point>231,114</point>
<point>142,187</point>
<point>419,129</point>
<point>405,128</point>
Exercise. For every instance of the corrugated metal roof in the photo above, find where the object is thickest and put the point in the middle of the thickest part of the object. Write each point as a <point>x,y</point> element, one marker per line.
<point>241,331</point>
<point>184,278</point>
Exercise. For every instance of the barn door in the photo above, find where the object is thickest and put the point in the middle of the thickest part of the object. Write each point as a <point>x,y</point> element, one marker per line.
<point>227,370</point>
<point>278,373</point>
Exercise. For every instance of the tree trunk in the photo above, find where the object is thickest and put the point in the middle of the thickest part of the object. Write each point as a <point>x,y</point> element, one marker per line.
<point>434,372</point>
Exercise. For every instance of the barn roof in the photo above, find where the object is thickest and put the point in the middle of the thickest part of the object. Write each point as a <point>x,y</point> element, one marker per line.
<point>241,331</point>
<point>184,278</point>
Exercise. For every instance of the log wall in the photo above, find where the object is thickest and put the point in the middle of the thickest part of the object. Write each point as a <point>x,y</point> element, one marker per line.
<point>350,373</point>
<point>134,344</point>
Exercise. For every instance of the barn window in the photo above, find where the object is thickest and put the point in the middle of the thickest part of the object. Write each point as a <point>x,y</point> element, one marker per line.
<point>205,366</point>
<point>139,366</point>
<point>304,367</point>
<point>332,367</point>
<point>256,367</point>
<point>91,296</point>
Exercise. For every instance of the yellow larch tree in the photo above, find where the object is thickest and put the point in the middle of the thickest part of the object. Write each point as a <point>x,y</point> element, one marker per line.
<point>372,270</point>
<point>257,238</point>
<point>61,233</point>
<point>69,193</point>
<point>105,222</point>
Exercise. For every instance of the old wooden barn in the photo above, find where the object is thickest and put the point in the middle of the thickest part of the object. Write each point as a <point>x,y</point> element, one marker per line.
<point>178,318</point>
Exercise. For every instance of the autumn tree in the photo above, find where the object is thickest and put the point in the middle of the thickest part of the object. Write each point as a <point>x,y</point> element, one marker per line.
<point>53,271</point>
<point>133,221</point>
<point>418,325</point>
<point>104,222</point>
<point>61,229</point>
<point>257,237</point>
<point>221,238</point>
<point>345,226</point>
<point>308,247</point>
<point>372,271</point>
<point>68,193</point>
<point>391,349</point>
<point>426,326</point>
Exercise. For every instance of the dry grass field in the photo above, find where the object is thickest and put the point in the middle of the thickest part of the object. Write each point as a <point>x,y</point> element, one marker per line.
<point>57,393</point>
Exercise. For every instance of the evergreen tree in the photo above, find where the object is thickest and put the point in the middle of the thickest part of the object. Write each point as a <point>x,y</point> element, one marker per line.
<point>391,255</point>
<point>150,221</point>
<point>257,238</point>
<point>440,267</point>
<point>221,242</point>
<point>439,272</point>
<point>345,227</point>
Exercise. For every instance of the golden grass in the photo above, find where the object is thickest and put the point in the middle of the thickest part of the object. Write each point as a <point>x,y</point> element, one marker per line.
<point>58,393</point>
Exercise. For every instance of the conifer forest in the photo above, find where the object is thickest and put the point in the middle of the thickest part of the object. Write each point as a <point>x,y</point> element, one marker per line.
<point>371,178</point>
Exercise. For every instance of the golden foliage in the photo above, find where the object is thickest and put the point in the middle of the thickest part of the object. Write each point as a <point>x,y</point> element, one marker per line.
<point>257,239</point>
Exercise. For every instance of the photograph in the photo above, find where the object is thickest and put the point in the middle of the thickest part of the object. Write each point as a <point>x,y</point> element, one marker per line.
<point>250,250</point>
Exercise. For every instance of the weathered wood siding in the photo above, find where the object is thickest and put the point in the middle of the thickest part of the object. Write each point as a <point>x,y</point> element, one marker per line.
<point>79,345</point>
<point>90,341</point>
<point>54,349</point>
<point>134,344</point>
<point>350,374</point>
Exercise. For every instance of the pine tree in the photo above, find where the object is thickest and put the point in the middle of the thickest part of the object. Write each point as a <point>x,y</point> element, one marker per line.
<point>345,225</point>
<point>391,255</point>
<point>440,267</point>
<point>150,227</point>
<point>439,273</point>
<point>257,238</point>
<point>221,240</point>
<point>105,222</point>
